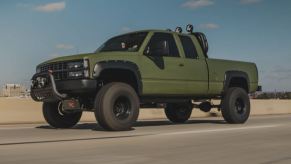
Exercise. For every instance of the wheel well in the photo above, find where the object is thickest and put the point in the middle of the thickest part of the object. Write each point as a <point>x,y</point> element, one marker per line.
<point>240,82</point>
<point>120,75</point>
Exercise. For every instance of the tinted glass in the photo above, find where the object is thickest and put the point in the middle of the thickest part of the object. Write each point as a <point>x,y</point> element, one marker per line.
<point>189,47</point>
<point>169,43</point>
<point>129,42</point>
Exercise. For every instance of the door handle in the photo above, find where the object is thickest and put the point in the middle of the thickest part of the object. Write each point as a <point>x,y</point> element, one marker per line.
<point>181,65</point>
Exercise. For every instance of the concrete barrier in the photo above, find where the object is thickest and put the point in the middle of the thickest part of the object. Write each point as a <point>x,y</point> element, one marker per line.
<point>24,110</point>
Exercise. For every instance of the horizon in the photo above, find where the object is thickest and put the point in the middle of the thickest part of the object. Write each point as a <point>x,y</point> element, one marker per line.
<point>249,30</point>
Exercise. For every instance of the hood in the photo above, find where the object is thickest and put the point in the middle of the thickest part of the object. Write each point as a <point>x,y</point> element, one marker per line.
<point>68,58</point>
<point>95,56</point>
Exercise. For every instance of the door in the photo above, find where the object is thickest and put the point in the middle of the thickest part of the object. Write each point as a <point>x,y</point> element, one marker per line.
<point>161,66</point>
<point>196,71</point>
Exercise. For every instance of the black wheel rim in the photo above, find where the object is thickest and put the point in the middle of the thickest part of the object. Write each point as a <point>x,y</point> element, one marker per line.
<point>240,106</point>
<point>182,112</point>
<point>63,112</point>
<point>122,108</point>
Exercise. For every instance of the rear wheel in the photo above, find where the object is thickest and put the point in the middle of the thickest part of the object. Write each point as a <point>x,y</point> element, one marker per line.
<point>178,113</point>
<point>236,106</point>
<point>57,118</point>
<point>117,107</point>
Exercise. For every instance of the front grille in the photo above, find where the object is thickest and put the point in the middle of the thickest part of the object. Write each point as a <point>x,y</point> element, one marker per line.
<point>60,69</point>
<point>54,67</point>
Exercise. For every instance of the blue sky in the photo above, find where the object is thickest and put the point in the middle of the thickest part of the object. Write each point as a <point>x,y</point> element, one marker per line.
<point>32,31</point>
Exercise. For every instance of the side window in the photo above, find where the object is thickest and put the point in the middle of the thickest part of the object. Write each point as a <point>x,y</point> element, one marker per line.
<point>162,44</point>
<point>189,47</point>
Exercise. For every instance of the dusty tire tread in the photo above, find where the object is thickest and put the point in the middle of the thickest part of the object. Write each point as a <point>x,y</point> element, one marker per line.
<point>105,95</point>
<point>171,112</point>
<point>54,119</point>
<point>228,112</point>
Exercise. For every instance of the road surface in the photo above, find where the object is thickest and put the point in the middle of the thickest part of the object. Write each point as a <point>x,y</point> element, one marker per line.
<point>263,140</point>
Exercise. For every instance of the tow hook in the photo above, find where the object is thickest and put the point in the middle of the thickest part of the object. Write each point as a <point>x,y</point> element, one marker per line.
<point>54,88</point>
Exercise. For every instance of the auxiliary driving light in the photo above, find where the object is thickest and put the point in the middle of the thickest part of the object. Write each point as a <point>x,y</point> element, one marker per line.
<point>189,28</point>
<point>41,82</point>
<point>178,30</point>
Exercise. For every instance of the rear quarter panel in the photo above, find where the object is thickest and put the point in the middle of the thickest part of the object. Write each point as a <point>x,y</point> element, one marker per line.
<point>218,68</point>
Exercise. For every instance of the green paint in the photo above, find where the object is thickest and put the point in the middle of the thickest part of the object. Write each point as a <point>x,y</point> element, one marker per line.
<point>198,77</point>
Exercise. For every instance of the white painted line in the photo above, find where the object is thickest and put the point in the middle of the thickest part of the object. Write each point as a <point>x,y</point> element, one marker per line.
<point>8,127</point>
<point>220,130</point>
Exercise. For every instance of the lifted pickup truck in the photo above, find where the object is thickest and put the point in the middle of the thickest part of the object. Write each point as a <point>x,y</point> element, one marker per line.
<point>143,69</point>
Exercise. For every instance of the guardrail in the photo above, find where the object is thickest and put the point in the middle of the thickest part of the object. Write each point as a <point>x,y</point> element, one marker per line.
<point>25,110</point>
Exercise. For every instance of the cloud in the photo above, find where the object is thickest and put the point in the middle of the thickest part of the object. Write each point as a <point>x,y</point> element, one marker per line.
<point>277,78</point>
<point>278,73</point>
<point>51,7</point>
<point>208,26</point>
<point>64,46</point>
<point>194,4</point>
<point>23,5</point>
<point>246,2</point>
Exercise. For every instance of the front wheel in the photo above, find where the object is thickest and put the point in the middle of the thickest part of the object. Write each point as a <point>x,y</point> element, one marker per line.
<point>57,118</point>
<point>178,113</point>
<point>117,106</point>
<point>236,106</point>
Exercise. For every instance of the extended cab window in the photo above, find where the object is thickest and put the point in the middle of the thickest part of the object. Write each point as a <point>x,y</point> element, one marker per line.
<point>189,47</point>
<point>162,44</point>
<point>128,42</point>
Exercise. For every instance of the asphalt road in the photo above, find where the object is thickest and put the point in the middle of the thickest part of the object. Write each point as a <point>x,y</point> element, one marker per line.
<point>263,139</point>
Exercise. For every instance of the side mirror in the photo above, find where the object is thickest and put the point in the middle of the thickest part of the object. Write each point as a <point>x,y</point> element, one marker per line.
<point>160,48</point>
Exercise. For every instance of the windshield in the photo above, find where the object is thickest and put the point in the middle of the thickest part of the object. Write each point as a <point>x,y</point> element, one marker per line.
<point>128,42</point>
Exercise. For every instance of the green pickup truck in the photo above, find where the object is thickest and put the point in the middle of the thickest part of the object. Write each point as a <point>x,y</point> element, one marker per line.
<point>143,69</point>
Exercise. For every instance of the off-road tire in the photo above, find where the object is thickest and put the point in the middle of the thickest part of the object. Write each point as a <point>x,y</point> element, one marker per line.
<point>58,119</point>
<point>178,113</point>
<point>235,106</point>
<point>116,106</point>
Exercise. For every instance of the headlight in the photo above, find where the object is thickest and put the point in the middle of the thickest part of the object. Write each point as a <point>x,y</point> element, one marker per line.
<point>75,65</point>
<point>79,69</point>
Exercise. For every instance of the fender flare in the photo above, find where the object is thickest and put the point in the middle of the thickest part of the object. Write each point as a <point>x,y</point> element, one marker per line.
<point>119,64</point>
<point>235,74</point>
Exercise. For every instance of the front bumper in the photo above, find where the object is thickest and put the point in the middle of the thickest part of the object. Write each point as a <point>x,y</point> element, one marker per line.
<point>70,88</point>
